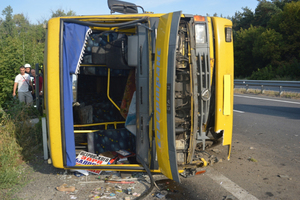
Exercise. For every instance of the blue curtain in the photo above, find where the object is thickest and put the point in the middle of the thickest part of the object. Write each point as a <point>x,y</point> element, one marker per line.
<point>74,37</point>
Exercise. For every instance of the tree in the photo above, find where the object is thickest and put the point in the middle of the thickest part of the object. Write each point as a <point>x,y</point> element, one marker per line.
<point>8,23</point>
<point>290,28</point>
<point>20,43</point>
<point>256,48</point>
<point>245,59</point>
<point>267,42</point>
<point>267,46</point>
<point>264,11</point>
<point>281,3</point>
<point>61,13</point>
<point>10,61</point>
<point>288,25</point>
<point>243,19</point>
<point>21,23</point>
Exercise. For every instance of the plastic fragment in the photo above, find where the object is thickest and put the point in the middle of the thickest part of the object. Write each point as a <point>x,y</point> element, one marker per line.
<point>84,172</point>
<point>136,194</point>
<point>108,197</point>
<point>96,192</point>
<point>159,195</point>
<point>78,174</point>
<point>200,172</point>
<point>283,176</point>
<point>129,191</point>
<point>122,182</point>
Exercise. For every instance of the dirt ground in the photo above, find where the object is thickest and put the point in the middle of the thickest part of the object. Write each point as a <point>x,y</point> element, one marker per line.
<point>255,168</point>
<point>44,181</point>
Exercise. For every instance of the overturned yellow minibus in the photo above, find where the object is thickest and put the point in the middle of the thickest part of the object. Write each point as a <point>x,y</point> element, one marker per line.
<point>151,85</point>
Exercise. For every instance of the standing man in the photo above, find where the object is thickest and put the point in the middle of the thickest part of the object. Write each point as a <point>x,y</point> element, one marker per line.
<point>40,83</point>
<point>28,69</point>
<point>22,80</point>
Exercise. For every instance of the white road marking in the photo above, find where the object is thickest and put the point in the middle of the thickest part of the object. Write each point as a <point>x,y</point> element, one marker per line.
<point>292,102</point>
<point>238,111</point>
<point>228,185</point>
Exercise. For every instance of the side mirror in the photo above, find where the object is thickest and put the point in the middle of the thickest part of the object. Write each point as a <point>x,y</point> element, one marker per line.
<point>122,7</point>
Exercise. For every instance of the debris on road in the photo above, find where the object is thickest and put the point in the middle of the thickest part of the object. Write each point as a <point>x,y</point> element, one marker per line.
<point>78,172</point>
<point>230,197</point>
<point>111,185</point>
<point>200,172</point>
<point>126,185</point>
<point>136,194</point>
<point>252,159</point>
<point>65,188</point>
<point>159,195</point>
<point>283,176</point>
<point>119,182</point>
<point>216,150</point>
<point>73,197</point>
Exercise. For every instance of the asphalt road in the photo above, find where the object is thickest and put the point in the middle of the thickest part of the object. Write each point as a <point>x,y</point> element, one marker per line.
<point>271,122</point>
<point>265,157</point>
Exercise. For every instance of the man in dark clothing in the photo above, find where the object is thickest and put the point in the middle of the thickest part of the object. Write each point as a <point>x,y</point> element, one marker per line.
<point>40,83</point>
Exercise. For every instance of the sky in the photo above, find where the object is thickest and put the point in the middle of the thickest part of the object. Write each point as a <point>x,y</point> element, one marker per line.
<point>40,10</point>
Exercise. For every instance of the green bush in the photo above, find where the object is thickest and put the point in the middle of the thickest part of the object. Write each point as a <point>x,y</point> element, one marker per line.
<point>19,141</point>
<point>265,73</point>
<point>279,71</point>
<point>290,69</point>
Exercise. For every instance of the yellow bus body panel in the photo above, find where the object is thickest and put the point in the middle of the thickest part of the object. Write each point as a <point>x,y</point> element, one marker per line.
<point>53,93</point>
<point>224,81</point>
<point>211,47</point>
<point>160,94</point>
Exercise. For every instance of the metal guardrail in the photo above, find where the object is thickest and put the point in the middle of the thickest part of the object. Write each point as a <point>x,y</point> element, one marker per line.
<point>262,84</point>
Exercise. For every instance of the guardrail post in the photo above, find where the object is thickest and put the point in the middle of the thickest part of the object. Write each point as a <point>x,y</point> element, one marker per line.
<point>280,90</point>
<point>247,87</point>
<point>262,89</point>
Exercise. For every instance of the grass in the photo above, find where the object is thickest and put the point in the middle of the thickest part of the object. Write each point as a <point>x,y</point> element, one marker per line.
<point>19,142</point>
<point>290,95</point>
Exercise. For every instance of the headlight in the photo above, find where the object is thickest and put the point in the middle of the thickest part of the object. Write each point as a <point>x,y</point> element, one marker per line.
<point>200,33</point>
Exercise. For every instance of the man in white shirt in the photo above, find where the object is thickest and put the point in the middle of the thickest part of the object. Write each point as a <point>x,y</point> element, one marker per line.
<point>22,80</point>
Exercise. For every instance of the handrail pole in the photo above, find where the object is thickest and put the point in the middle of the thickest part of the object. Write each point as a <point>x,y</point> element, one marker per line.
<point>108,85</point>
